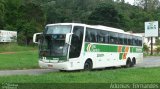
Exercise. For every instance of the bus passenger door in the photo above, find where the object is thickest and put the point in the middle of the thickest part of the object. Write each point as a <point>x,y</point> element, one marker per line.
<point>76,44</point>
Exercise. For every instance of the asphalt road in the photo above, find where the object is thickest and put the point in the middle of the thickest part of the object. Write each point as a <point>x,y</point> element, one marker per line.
<point>147,62</point>
<point>150,62</point>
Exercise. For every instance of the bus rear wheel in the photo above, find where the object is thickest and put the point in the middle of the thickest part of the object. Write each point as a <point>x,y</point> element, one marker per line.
<point>133,62</point>
<point>128,63</point>
<point>88,65</point>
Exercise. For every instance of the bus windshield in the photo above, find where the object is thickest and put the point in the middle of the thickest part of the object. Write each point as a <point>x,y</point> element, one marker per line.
<point>53,41</point>
<point>58,29</point>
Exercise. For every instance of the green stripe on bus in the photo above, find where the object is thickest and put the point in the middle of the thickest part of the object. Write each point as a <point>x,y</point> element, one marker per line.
<point>109,48</point>
<point>123,48</point>
<point>120,56</point>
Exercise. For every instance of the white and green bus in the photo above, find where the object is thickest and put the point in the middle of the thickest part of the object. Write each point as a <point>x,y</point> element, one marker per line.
<point>75,46</point>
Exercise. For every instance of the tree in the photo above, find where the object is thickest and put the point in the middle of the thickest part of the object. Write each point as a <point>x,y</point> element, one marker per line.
<point>2,13</point>
<point>26,18</point>
<point>107,14</point>
<point>148,5</point>
<point>29,22</point>
<point>30,16</point>
<point>11,13</point>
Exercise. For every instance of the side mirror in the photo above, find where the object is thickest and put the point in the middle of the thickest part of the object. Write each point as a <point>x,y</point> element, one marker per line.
<point>68,38</point>
<point>36,37</point>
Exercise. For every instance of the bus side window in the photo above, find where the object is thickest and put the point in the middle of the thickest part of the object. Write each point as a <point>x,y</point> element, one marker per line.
<point>87,37</point>
<point>129,39</point>
<point>134,41</point>
<point>125,40</point>
<point>140,41</point>
<point>113,38</point>
<point>137,41</point>
<point>116,38</point>
<point>121,39</point>
<point>93,36</point>
<point>101,36</point>
<point>106,37</point>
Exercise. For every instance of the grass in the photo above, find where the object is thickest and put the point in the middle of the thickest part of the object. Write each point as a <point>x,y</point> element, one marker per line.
<point>149,54</point>
<point>132,75</point>
<point>19,60</point>
<point>13,47</point>
<point>21,57</point>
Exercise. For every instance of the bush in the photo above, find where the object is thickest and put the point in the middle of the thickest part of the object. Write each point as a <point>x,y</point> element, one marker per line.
<point>158,49</point>
<point>145,48</point>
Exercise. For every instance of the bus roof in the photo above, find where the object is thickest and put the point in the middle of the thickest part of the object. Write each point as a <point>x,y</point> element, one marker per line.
<point>106,28</point>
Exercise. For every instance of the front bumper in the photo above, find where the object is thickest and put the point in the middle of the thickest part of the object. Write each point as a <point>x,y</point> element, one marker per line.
<point>57,65</point>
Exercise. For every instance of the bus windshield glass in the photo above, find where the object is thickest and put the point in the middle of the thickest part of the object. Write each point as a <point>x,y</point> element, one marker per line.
<point>53,41</point>
<point>58,29</point>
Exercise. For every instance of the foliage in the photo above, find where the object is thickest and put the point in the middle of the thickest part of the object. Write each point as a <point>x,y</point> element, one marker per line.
<point>145,48</point>
<point>107,14</point>
<point>2,13</point>
<point>158,49</point>
<point>30,16</point>
<point>157,41</point>
<point>25,18</point>
<point>148,5</point>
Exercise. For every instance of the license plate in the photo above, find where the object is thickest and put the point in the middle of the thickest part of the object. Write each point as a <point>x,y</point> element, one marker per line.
<point>50,66</point>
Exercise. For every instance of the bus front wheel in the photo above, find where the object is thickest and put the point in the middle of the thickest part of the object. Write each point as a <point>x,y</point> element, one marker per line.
<point>88,65</point>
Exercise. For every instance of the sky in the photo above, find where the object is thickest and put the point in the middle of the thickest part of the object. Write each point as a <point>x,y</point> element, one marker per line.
<point>130,1</point>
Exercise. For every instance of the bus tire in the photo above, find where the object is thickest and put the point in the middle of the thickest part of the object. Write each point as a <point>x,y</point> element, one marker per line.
<point>88,65</point>
<point>128,63</point>
<point>133,61</point>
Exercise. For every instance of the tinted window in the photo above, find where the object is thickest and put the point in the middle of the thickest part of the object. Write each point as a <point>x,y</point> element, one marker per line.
<point>125,40</point>
<point>113,38</point>
<point>135,41</point>
<point>139,41</point>
<point>121,39</point>
<point>101,36</point>
<point>91,35</point>
<point>106,35</point>
<point>129,37</point>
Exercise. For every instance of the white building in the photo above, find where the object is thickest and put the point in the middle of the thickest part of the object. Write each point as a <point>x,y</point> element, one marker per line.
<point>147,40</point>
<point>8,36</point>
